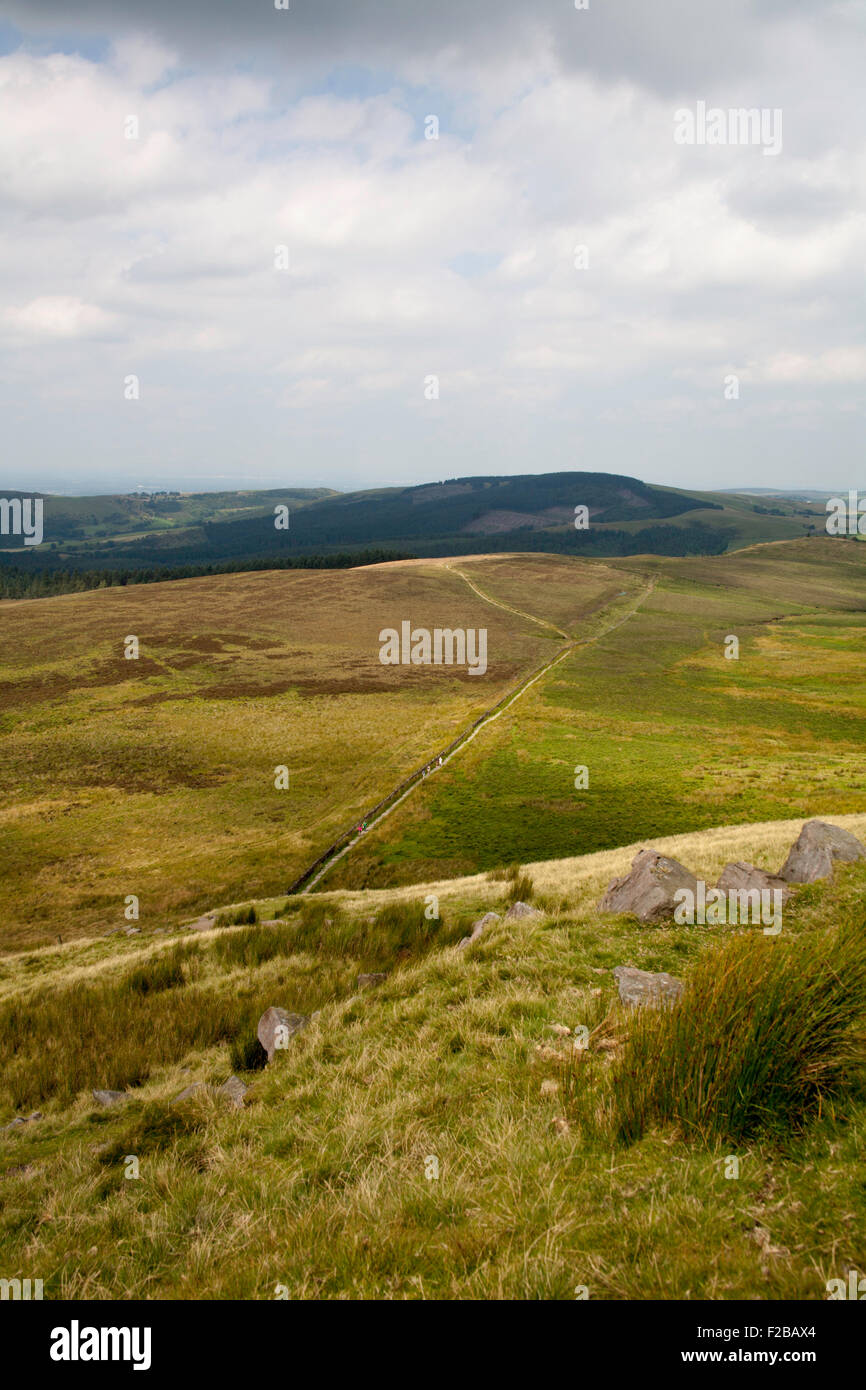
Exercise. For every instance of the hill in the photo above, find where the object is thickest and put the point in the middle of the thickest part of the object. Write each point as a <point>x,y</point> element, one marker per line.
<point>436,1136</point>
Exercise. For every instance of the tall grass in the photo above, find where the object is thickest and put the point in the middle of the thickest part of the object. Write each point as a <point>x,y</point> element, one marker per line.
<point>766,1032</point>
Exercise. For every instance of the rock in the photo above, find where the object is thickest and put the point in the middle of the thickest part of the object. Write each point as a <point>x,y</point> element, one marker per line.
<point>190,1091</point>
<point>276,1027</point>
<point>234,1091</point>
<point>364,981</point>
<point>204,923</point>
<point>816,849</point>
<point>740,876</point>
<point>647,891</point>
<point>478,927</point>
<point>517,911</point>
<point>133,931</point>
<point>15,1124</point>
<point>646,987</point>
<point>36,1115</point>
<point>109,1097</point>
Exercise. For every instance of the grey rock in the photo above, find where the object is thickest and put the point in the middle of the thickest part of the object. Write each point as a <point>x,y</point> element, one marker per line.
<point>478,927</point>
<point>364,981</point>
<point>109,1097</point>
<point>188,1092</point>
<point>35,1115</point>
<point>740,876</point>
<point>16,1123</point>
<point>234,1091</point>
<point>638,987</point>
<point>276,1027</point>
<point>205,923</point>
<point>518,911</point>
<point>133,931</point>
<point>647,891</point>
<point>816,849</point>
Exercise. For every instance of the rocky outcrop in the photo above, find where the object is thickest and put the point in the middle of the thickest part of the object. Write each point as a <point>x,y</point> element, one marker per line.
<point>644,987</point>
<point>816,849</point>
<point>740,876</point>
<point>522,912</point>
<point>478,927</point>
<point>647,892</point>
<point>234,1091</point>
<point>276,1027</point>
<point>109,1097</point>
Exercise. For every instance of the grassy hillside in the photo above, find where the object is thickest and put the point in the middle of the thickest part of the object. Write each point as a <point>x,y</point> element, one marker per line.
<point>457,1066</point>
<point>155,776</point>
<point>674,735</point>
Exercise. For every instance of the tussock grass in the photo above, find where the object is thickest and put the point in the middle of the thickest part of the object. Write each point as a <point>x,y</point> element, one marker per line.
<point>766,1032</point>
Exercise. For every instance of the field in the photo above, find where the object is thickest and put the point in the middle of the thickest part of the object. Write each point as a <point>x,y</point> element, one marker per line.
<point>156,776</point>
<point>675,736</point>
<point>436,1135</point>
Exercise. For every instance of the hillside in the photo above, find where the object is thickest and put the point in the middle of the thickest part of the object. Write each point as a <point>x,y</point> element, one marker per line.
<point>435,1136</point>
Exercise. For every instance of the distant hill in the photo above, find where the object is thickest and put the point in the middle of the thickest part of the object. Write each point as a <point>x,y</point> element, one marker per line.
<point>174,534</point>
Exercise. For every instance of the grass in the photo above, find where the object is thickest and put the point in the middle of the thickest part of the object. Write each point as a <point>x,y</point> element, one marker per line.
<point>319,1183</point>
<point>765,1037</point>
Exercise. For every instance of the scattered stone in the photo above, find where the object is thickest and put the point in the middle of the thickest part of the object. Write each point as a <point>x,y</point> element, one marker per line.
<point>478,927</point>
<point>189,1092</point>
<point>109,1097</point>
<point>816,849</point>
<point>647,891</point>
<point>740,876</point>
<point>204,923</point>
<point>133,931</point>
<point>234,1090</point>
<point>518,911</point>
<point>646,987</point>
<point>36,1115</point>
<point>365,981</point>
<point>277,1026</point>
<point>16,1123</point>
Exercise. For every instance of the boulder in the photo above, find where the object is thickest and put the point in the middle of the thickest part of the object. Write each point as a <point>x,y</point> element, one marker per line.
<point>109,1097</point>
<point>647,891</point>
<point>205,923</point>
<point>748,876</point>
<point>276,1027</point>
<point>478,927</point>
<point>365,981</point>
<point>816,849</point>
<point>518,911</point>
<point>638,987</point>
<point>234,1091</point>
<point>189,1092</point>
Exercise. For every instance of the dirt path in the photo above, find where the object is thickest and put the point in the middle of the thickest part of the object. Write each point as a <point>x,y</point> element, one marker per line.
<point>440,760</point>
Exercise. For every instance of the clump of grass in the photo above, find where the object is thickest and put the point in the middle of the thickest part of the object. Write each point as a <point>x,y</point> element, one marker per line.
<point>764,1034</point>
<point>398,929</point>
<point>166,972</point>
<point>254,947</point>
<point>242,916</point>
<point>520,886</point>
<point>246,1052</point>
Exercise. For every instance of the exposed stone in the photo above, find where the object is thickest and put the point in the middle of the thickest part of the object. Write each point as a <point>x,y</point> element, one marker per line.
<point>189,1091</point>
<point>646,987</point>
<point>522,910</point>
<point>739,876</point>
<point>133,931</point>
<point>816,849</point>
<point>109,1097</point>
<point>16,1123</point>
<point>205,923</point>
<point>365,981</point>
<point>276,1027</point>
<point>478,927</point>
<point>648,890</point>
<point>234,1090</point>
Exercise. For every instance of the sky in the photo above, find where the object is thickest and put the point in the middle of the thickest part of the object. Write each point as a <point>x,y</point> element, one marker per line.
<point>356,243</point>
